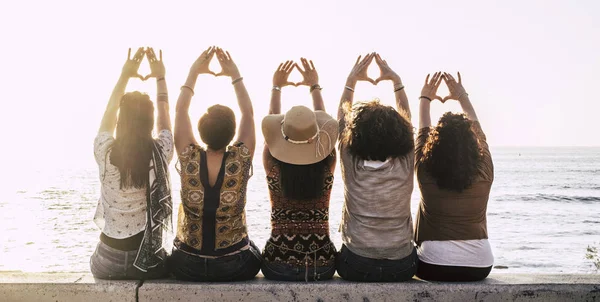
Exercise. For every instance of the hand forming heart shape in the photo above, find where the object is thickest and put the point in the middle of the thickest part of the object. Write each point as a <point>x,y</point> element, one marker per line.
<point>310,77</point>
<point>455,89</point>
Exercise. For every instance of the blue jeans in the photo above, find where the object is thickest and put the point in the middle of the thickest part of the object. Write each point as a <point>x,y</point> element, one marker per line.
<point>287,272</point>
<point>353,267</point>
<point>238,267</point>
<point>110,263</point>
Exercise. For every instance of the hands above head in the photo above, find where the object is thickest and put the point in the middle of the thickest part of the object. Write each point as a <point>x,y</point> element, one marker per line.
<point>385,72</point>
<point>201,65</point>
<point>280,78</point>
<point>130,69</point>
<point>157,67</point>
<point>430,88</point>
<point>310,77</point>
<point>228,67</point>
<point>456,89</point>
<point>359,71</point>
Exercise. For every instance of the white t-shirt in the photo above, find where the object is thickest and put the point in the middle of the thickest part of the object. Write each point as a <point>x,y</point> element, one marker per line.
<point>121,213</point>
<point>468,253</point>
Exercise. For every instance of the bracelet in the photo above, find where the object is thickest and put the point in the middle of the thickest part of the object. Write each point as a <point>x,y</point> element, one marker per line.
<point>275,87</point>
<point>315,86</point>
<point>163,94</point>
<point>349,88</point>
<point>160,79</point>
<point>463,94</point>
<point>425,97</point>
<point>399,88</point>
<point>237,80</point>
<point>188,87</point>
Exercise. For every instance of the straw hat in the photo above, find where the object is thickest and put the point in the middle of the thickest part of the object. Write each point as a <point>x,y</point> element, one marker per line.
<point>301,136</point>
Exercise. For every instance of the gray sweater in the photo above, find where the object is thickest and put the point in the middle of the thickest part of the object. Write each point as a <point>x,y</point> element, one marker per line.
<point>376,219</point>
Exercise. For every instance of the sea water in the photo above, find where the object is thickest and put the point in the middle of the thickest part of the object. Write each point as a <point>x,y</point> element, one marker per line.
<point>543,212</point>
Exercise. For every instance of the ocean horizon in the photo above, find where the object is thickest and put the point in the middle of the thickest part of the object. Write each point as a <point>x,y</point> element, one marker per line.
<point>543,212</point>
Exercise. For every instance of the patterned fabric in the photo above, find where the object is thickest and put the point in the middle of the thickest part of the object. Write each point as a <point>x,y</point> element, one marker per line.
<point>121,213</point>
<point>159,210</point>
<point>300,228</point>
<point>205,225</point>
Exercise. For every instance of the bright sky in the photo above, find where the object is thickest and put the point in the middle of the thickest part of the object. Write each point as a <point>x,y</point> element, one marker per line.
<point>530,67</point>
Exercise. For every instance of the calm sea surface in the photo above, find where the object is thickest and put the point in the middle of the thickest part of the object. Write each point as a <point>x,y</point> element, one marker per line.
<point>544,211</point>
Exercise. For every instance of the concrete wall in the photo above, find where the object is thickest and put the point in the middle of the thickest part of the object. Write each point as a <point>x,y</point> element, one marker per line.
<point>498,287</point>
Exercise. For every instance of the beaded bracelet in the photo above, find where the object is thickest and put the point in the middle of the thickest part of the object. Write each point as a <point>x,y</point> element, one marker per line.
<point>315,86</point>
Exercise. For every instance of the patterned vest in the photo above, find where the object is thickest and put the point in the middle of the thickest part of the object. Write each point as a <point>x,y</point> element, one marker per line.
<point>212,220</point>
<point>299,228</point>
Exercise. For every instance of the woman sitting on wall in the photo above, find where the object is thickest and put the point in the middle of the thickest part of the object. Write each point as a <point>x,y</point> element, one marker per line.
<point>455,173</point>
<point>135,205</point>
<point>212,242</point>
<point>377,157</point>
<point>299,159</point>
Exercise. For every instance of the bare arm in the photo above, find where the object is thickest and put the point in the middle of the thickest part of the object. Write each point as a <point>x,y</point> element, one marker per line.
<point>428,93</point>
<point>246,131</point>
<point>458,92</point>
<point>311,79</point>
<point>157,70</point>
<point>109,120</point>
<point>280,80</point>
<point>388,74</point>
<point>184,135</point>
<point>358,73</point>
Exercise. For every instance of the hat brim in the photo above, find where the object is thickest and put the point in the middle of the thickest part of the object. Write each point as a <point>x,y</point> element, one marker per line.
<point>300,154</point>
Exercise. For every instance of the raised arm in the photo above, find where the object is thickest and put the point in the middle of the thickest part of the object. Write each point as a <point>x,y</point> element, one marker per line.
<point>428,93</point>
<point>311,79</point>
<point>184,135</point>
<point>246,132</point>
<point>387,74</point>
<point>458,92</point>
<point>280,80</point>
<point>157,70</point>
<point>130,70</point>
<point>358,73</point>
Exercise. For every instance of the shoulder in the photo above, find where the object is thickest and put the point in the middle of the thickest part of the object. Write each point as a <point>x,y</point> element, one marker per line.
<point>239,150</point>
<point>190,152</point>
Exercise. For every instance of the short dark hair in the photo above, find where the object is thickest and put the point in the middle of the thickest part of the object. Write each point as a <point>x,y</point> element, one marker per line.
<point>452,153</point>
<point>377,132</point>
<point>217,127</point>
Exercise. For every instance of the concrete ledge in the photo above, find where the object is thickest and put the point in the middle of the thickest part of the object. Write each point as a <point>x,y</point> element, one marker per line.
<point>66,287</point>
<point>498,287</point>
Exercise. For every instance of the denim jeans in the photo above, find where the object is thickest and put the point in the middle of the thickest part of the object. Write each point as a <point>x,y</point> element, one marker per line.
<point>433,272</point>
<point>287,272</point>
<point>237,267</point>
<point>113,264</point>
<point>353,267</point>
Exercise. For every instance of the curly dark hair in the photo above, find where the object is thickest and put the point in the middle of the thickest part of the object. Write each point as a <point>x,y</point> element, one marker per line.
<point>377,132</point>
<point>217,127</point>
<point>452,153</point>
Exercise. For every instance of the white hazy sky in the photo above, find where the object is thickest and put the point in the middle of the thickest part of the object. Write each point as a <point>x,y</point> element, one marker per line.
<point>531,67</point>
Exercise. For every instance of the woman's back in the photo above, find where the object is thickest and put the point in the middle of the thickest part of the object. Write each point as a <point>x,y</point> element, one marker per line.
<point>300,228</point>
<point>212,219</point>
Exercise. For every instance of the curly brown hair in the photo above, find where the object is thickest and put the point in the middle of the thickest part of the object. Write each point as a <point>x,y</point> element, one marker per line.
<point>377,132</point>
<point>452,153</point>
